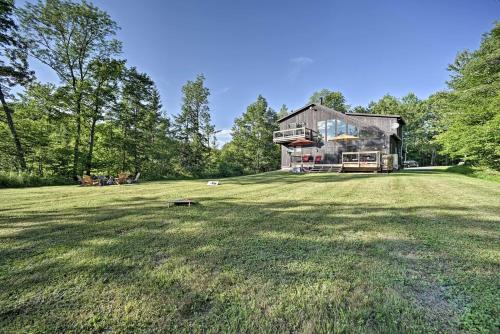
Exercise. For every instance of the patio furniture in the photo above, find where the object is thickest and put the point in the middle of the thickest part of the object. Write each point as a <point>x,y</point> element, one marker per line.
<point>317,159</point>
<point>134,180</point>
<point>89,181</point>
<point>80,180</point>
<point>122,178</point>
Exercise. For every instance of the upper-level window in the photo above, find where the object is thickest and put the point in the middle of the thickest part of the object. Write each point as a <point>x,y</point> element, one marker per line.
<point>330,129</point>
<point>341,127</point>
<point>322,129</point>
<point>352,130</point>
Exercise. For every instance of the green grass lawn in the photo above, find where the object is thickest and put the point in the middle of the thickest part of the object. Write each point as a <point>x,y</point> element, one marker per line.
<point>406,252</point>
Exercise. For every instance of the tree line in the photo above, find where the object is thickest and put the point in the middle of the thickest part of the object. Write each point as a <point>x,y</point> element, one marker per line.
<point>105,116</point>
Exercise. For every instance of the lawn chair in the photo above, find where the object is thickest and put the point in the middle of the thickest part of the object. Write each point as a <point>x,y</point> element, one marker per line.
<point>80,180</point>
<point>122,178</point>
<point>88,181</point>
<point>317,159</point>
<point>136,179</point>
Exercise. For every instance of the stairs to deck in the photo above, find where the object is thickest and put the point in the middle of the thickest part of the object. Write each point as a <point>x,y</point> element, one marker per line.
<point>326,169</point>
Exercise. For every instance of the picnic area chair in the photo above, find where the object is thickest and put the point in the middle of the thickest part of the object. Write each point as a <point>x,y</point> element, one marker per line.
<point>88,181</point>
<point>80,180</point>
<point>122,178</point>
<point>134,180</point>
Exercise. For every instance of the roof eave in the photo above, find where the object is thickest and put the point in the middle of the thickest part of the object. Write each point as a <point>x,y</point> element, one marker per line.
<point>399,117</point>
<point>296,112</point>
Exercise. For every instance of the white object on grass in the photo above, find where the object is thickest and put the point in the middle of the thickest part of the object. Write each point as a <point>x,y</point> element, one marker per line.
<point>213,183</point>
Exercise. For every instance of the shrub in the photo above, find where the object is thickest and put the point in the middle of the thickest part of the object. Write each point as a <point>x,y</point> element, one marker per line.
<point>478,172</point>
<point>20,180</point>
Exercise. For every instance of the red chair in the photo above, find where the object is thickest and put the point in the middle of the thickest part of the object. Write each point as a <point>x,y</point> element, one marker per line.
<point>317,159</point>
<point>305,158</point>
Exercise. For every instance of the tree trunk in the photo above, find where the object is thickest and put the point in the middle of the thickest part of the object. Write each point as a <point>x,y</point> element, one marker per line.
<point>136,143</point>
<point>76,150</point>
<point>124,154</point>
<point>15,137</point>
<point>88,164</point>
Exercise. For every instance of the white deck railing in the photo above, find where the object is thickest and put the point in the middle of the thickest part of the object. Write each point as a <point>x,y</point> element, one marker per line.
<point>288,135</point>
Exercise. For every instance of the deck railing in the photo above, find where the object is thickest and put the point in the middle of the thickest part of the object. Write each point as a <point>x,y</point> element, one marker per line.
<point>289,135</point>
<point>361,159</point>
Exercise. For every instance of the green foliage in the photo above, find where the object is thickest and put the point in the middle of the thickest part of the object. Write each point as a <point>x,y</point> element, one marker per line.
<point>102,88</point>
<point>470,112</point>
<point>360,109</point>
<point>420,129</point>
<point>252,146</point>
<point>13,71</point>
<point>193,127</point>
<point>59,35</point>
<point>139,119</point>
<point>68,37</point>
<point>331,99</point>
<point>478,172</point>
<point>22,180</point>
<point>283,111</point>
<point>228,163</point>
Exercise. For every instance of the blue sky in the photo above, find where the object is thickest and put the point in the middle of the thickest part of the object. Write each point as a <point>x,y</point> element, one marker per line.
<point>286,50</point>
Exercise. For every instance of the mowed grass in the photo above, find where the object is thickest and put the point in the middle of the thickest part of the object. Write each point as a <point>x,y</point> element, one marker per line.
<point>406,252</point>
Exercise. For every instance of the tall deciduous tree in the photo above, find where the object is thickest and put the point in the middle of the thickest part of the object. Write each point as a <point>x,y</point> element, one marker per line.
<point>360,109</point>
<point>331,99</point>
<point>68,36</point>
<point>193,126</point>
<point>253,138</point>
<point>13,69</point>
<point>102,92</point>
<point>420,127</point>
<point>470,111</point>
<point>387,105</point>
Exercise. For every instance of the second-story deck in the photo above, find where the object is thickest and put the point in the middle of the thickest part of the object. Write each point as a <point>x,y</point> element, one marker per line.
<point>290,135</point>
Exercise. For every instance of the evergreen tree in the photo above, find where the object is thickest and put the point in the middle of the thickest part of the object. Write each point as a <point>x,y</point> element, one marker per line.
<point>283,111</point>
<point>138,115</point>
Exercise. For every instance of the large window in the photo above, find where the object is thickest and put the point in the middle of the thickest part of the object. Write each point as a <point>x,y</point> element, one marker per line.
<point>367,133</point>
<point>341,127</point>
<point>352,130</point>
<point>330,129</point>
<point>322,129</point>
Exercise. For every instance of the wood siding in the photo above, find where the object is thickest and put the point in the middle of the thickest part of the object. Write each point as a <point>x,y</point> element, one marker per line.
<point>375,135</point>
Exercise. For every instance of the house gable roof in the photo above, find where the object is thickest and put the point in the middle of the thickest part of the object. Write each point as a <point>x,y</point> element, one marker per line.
<point>353,114</point>
<point>399,118</point>
<point>293,113</point>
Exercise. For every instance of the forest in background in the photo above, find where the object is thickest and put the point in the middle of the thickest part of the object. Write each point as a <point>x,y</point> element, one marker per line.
<point>105,116</point>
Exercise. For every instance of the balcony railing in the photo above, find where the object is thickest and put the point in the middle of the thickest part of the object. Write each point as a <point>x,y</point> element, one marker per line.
<point>289,135</point>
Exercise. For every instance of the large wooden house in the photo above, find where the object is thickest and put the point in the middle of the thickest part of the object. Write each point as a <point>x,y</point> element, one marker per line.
<point>315,137</point>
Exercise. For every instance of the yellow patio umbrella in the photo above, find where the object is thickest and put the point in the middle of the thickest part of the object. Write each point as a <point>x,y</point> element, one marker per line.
<point>344,137</point>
